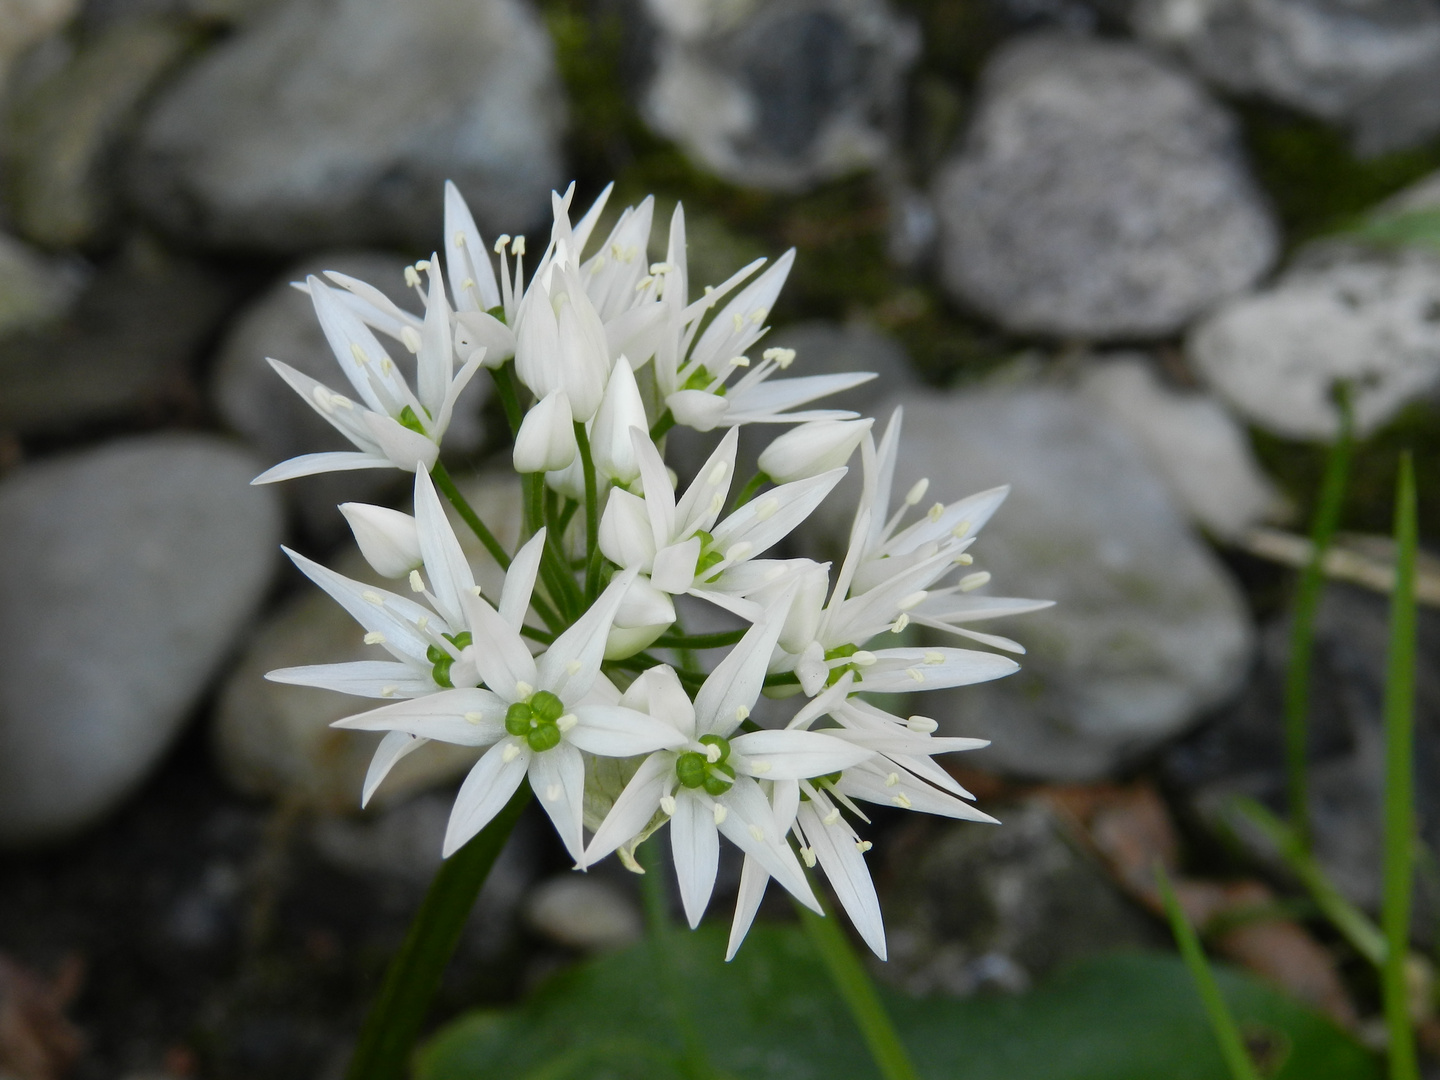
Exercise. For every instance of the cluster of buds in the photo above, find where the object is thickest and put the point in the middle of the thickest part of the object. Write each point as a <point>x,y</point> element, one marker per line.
<point>577,678</point>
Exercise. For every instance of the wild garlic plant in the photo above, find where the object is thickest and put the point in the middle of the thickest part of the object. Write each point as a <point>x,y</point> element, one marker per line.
<point>576,678</point>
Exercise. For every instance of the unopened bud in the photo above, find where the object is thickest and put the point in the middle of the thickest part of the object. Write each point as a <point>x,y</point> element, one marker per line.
<point>811,449</point>
<point>546,439</point>
<point>388,539</point>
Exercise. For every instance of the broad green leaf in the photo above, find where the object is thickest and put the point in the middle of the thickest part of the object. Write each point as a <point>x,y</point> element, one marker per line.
<point>771,1014</point>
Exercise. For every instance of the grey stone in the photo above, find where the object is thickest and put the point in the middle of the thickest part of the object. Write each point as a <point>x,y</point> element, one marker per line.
<point>277,422</point>
<point>973,907</point>
<point>25,22</point>
<point>34,290</point>
<point>779,95</point>
<point>1242,752</point>
<point>65,131</point>
<point>1203,454</point>
<point>1370,65</point>
<point>275,740</point>
<point>1367,315</point>
<point>337,121</point>
<point>130,570</point>
<point>584,912</point>
<point>125,347</point>
<point>1099,194</point>
<point>1148,631</point>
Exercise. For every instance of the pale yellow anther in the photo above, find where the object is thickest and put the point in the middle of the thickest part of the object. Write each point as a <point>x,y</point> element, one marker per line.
<point>644,283</point>
<point>717,473</point>
<point>410,338</point>
<point>323,398</point>
<point>721,813</point>
<point>500,242</point>
<point>758,833</point>
<point>807,855</point>
<point>573,667</point>
<point>552,792</point>
<point>862,846</point>
<point>359,354</point>
<point>758,315</point>
<point>712,753</point>
<point>739,321</point>
<point>474,718</point>
<point>385,365</point>
<point>412,279</point>
<point>902,801</point>
<point>783,357</point>
<point>422,622</point>
<point>974,581</point>
<point>900,623</point>
<point>459,239</point>
<point>863,658</point>
<point>932,657</point>
<point>517,247</point>
<point>917,491</point>
<point>910,601</point>
<point>833,817</point>
<point>739,361</point>
<point>388,691</point>
<point>964,559</point>
<point>374,637</point>
<point>661,268</point>
<point>760,768</point>
<point>510,753</point>
<point>717,503</point>
<point>667,804</point>
<point>915,674</point>
<point>766,510</point>
<point>921,725</point>
<point>935,512</point>
<point>422,264</point>
<point>961,531</point>
<point>566,722</point>
<point>372,597</point>
<point>416,585</point>
<point>892,779</point>
<point>476,590</point>
<point>523,690</point>
<point>741,714</point>
<point>736,552</point>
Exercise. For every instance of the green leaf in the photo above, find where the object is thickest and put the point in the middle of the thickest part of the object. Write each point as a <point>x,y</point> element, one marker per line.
<point>1407,228</point>
<point>771,1014</point>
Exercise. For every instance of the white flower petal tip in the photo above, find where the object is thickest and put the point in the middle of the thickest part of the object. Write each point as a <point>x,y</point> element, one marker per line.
<point>387,538</point>
<point>546,440</point>
<point>812,448</point>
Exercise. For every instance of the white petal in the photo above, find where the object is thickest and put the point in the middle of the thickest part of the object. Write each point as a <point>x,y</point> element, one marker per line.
<point>615,731</point>
<point>330,461</point>
<point>401,445</point>
<point>767,518</point>
<point>546,439</point>
<point>730,691</point>
<point>558,777</point>
<point>626,536</point>
<point>394,746</point>
<point>570,664</point>
<point>753,880</point>
<point>377,610</point>
<point>466,256</point>
<point>673,569</point>
<point>844,866</point>
<point>363,678</point>
<point>445,563</point>
<point>897,671</point>
<point>387,538</point>
<point>484,793</point>
<point>499,653</point>
<point>633,809</point>
<point>471,717</point>
<point>796,755</point>
<point>436,359</point>
<point>620,410</point>
<point>696,848</point>
<point>658,691</point>
<point>659,495</point>
<point>697,508</point>
<point>777,395</point>
<point>750,814</point>
<point>520,581</point>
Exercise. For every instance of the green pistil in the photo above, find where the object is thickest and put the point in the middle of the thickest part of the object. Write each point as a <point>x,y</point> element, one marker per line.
<point>709,556</point>
<point>497,312</point>
<point>699,379</point>
<point>838,672</point>
<point>535,720</point>
<point>410,420</point>
<point>441,660</point>
<point>696,770</point>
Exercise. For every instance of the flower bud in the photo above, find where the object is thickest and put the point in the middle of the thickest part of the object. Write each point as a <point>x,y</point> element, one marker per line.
<point>546,439</point>
<point>388,539</point>
<point>620,410</point>
<point>645,613</point>
<point>813,448</point>
<point>560,342</point>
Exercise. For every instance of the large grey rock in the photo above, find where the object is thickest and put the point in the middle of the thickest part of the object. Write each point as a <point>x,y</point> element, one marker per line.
<point>129,571</point>
<point>127,345</point>
<point>1148,631</point>
<point>981,907</point>
<point>584,911</point>
<point>337,121</point>
<point>65,131</point>
<point>25,22</point>
<point>1099,194</point>
<point>1368,64</point>
<point>1190,439</point>
<point>277,422</point>
<point>275,740</point>
<point>1369,316</point>
<point>1243,752</point>
<point>34,289</point>
<point>779,95</point>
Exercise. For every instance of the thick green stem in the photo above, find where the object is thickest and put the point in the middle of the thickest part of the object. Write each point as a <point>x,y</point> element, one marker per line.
<point>1399,785</point>
<point>1302,633</point>
<point>504,378</point>
<point>1222,1023</point>
<point>851,980</point>
<point>398,1013</point>
<point>723,639</point>
<point>592,515</point>
<point>661,426</point>
<point>467,513</point>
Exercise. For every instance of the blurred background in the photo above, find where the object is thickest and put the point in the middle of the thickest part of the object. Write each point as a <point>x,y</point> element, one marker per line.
<point>1097,248</point>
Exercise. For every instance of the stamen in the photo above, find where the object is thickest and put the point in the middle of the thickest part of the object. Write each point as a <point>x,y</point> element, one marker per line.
<point>717,473</point>
<point>766,510</point>
<point>736,552</point>
<point>411,339</point>
<point>961,531</point>
<point>862,846</point>
<point>667,804</point>
<point>739,361</point>
<point>739,321</point>
<point>964,559</point>
<point>459,239</point>
<point>717,503</point>
<point>917,491</point>
<point>933,657</point>
<point>566,722</point>
<point>388,691</point>
<point>474,718</point>
<point>517,247</point>
<point>721,813</point>
<point>832,818</point>
<point>373,597</point>
<point>500,242</point>
<point>936,512</point>
<point>760,768</point>
<point>862,658</point>
<point>374,638</point>
<point>757,832</point>
<point>902,801</point>
<point>416,584</point>
<point>412,279</point>
<point>523,689</point>
<point>510,753</point>
<point>914,673</point>
<point>974,581</point>
<point>921,725</point>
<point>573,667</point>
<point>807,856</point>
<point>359,354</point>
<point>741,714</point>
<point>782,357</point>
<point>900,623</point>
<point>712,753</point>
<point>892,779</point>
<point>552,792</point>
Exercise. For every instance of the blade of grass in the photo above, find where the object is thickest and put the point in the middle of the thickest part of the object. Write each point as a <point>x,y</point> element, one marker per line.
<point>1354,925</point>
<point>1222,1023</point>
<point>1302,627</point>
<point>851,980</point>
<point>398,1013</point>
<point>1399,784</point>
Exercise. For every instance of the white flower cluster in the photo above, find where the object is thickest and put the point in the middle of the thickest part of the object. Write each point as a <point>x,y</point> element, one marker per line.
<point>596,358</point>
